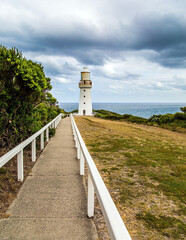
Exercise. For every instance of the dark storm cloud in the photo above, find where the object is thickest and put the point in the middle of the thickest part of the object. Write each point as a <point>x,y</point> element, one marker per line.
<point>159,33</point>
<point>174,57</point>
<point>165,34</point>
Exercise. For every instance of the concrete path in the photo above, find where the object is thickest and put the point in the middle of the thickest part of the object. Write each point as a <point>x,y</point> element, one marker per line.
<point>52,202</point>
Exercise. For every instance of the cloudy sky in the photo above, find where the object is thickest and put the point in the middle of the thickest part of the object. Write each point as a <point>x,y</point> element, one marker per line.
<point>135,49</point>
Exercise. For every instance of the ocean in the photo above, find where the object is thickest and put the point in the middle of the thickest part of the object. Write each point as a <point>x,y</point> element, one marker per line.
<point>145,110</point>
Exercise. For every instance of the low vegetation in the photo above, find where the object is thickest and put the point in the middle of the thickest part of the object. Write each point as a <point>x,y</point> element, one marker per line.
<point>175,122</point>
<point>144,170</point>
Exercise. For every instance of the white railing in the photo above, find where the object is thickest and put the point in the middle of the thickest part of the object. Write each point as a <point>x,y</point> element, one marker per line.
<point>115,224</point>
<point>19,149</point>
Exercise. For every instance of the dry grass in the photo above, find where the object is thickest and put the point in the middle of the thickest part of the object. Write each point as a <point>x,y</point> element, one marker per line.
<point>143,168</point>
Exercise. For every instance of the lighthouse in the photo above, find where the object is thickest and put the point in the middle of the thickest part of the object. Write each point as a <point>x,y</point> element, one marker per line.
<point>85,100</point>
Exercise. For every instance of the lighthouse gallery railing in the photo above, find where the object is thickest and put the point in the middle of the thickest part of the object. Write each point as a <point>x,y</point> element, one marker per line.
<point>115,225</point>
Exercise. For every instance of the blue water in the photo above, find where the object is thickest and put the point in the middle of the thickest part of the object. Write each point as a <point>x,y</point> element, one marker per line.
<point>145,110</point>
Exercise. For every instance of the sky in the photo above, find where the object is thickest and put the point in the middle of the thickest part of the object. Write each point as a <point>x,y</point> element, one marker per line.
<point>135,49</point>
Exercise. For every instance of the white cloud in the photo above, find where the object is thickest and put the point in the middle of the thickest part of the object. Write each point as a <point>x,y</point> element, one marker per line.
<point>62,80</point>
<point>116,87</point>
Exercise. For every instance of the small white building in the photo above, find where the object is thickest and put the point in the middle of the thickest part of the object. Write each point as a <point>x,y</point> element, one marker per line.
<point>85,100</point>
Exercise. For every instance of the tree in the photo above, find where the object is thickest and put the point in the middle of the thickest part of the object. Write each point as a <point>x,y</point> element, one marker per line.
<point>23,86</point>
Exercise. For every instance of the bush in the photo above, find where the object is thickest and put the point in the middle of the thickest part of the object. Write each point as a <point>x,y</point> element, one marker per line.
<point>52,132</point>
<point>108,115</point>
<point>166,118</point>
<point>183,109</point>
<point>135,119</point>
<point>126,116</point>
<point>180,116</point>
<point>154,119</point>
<point>115,116</point>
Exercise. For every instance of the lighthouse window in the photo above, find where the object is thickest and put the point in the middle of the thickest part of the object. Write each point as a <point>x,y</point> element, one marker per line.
<point>84,90</point>
<point>83,96</point>
<point>84,102</point>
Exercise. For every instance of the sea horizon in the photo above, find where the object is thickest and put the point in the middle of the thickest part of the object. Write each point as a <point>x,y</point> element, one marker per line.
<point>141,109</point>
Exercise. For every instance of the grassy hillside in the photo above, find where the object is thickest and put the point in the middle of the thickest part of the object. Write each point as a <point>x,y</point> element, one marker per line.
<point>174,122</point>
<point>144,170</point>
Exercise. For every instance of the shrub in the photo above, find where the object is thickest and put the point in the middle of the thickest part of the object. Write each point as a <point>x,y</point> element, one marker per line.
<point>166,118</point>
<point>126,116</point>
<point>135,119</point>
<point>155,119</point>
<point>183,109</point>
<point>180,116</point>
<point>52,132</point>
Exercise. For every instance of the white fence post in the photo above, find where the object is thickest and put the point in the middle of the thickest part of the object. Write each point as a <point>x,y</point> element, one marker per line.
<point>76,139</point>
<point>20,174</point>
<point>90,200</point>
<point>72,128</point>
<point>47,135</point>
<point>42,140</point>
<point>78,149</point>
<point>34,150</point>
<point>82,163</point>
<point>74,135</point>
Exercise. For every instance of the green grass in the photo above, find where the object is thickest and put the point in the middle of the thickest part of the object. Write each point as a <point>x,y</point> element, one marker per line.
<point>152,154</point>
<point>168,226</point>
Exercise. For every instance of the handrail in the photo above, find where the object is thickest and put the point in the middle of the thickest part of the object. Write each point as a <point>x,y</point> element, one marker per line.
<point>114,222</point>
<point>19,149</point>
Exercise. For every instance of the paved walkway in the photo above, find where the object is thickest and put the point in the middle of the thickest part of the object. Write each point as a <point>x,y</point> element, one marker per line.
<point>52,202</point>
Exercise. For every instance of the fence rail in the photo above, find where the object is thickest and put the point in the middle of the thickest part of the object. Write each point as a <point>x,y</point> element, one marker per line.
<point>114,222</point>
<point>19,149</point>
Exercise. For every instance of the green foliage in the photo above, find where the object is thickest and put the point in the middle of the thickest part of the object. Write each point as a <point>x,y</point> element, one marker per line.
<point>162,119</point>
<point>183,109</point>
<point>115,116</point>
<point>52,132</point>
<point>73,111</point>
<point>25,103</point>
<point>126,116</point>
<point>108,115</point>
<point>136,119</point>
<point>174,122</point>
<point>180,116</point>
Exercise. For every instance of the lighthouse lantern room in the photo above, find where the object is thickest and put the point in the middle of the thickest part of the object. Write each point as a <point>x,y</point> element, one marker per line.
<point>85,101</point>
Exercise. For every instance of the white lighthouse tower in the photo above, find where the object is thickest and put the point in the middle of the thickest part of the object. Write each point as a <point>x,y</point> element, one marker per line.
<point>85,101</point>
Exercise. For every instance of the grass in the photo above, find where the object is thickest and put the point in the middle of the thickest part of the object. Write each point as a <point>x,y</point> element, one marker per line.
<point>165,225</point>
<point>144,167</point>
